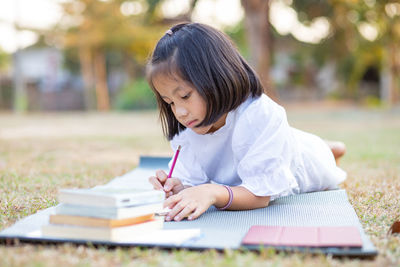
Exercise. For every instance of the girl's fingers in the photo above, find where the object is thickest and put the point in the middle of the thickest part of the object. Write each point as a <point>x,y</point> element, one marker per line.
<point>176,207</point>
<point>171,201</point>
<point>162,176</point>
<point>156,183</point>
<point>195,214</point>
<point>185,212</point>
<point>171,183</point>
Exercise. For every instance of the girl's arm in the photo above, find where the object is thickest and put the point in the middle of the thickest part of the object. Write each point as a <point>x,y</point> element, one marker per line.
<point>194,201</point>
<point>243,199</point>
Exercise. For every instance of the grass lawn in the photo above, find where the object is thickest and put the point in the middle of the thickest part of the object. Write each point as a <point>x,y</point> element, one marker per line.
<point>40,153</point>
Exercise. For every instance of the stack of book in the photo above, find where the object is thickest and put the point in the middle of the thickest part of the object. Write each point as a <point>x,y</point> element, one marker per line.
<point>105,214</point>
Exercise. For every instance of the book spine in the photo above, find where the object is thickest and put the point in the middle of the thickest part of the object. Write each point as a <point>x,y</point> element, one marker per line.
<point>97,222</point>
<point>119,234</point>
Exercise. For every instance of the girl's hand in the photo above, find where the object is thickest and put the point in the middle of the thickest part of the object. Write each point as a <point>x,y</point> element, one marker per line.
<point>171,186</point>
<point>190,202</point>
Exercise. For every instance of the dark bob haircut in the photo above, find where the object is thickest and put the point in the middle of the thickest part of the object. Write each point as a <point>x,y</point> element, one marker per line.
<point>207,60</point>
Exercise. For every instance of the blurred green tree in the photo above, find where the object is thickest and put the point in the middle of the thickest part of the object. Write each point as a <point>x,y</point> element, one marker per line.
<point>4,66</point>
<point>363,33</point>
<point>4,60</point>
<point>101,26</point>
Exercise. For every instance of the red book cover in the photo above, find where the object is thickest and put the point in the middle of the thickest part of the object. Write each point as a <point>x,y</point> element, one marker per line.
<point>299,237</point>
<point>342,236</point>
<point>324,236</point>
<point>260,234</point>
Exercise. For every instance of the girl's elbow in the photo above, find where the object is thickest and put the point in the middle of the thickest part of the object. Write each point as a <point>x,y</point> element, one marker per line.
<point>264,202</point>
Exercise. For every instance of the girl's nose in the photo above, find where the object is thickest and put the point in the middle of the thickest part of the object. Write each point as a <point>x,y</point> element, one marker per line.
<point>181,111</point>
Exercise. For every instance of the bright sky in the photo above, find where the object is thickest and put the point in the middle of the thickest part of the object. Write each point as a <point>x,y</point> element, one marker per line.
<point>30,13</point>
<point>218,13</point>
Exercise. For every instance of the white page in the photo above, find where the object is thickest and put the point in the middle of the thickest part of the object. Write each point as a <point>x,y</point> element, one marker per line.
<point>167,237</point>
<point>174,237</point>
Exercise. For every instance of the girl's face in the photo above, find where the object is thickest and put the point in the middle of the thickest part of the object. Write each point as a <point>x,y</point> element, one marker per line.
<point>186,103</point>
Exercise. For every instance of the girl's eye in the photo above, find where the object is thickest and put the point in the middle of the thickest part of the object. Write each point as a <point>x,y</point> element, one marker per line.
<point>186,96</point>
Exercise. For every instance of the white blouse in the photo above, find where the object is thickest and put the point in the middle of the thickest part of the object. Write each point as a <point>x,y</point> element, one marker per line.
<point>257,149</point>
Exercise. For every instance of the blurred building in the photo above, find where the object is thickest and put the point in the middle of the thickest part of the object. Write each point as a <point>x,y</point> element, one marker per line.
<point>48,85</point>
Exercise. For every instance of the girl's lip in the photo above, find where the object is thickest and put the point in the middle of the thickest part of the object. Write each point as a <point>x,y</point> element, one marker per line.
<point>190,123</point>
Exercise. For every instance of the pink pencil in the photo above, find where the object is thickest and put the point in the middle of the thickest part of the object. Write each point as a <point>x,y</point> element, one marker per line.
<point>174,161</point>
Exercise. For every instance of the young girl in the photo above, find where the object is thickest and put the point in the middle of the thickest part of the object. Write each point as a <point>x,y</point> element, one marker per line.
<point>238,150</point>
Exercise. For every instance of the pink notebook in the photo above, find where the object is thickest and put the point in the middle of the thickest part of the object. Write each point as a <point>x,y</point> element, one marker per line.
<point>293,236</point>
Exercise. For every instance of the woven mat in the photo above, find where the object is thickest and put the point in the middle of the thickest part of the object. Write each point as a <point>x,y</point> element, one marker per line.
<point>225,229</point>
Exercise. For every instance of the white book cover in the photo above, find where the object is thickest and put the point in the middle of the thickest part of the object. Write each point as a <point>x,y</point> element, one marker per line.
<point>109,212</point>
<point>107,196</point>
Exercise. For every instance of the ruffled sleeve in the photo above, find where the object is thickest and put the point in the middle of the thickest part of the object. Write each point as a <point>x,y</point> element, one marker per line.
<point>265,153</point>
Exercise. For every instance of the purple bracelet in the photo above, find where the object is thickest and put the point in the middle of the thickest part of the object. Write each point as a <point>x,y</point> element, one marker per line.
<point>230,198</point>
